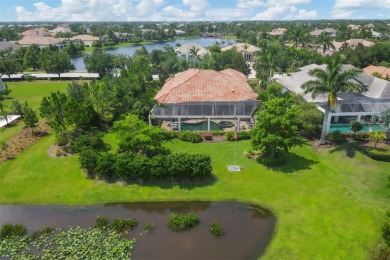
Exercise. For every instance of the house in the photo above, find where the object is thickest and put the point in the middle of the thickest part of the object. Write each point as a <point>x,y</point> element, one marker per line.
<point>207,95</point>
<point>36,32</point>
<point>60,30</point>
<point>374,99</point>
<point>356,42</point>
<point>8,46</point>
<point>186,51</point>
<point>353,27</point>
<point>41,41</point>
<point>277,32</point>
<point>247,50</point>
<point>376,35</point>
<point>86,39</point>
<point>332,32</point>
<point>380,70</point>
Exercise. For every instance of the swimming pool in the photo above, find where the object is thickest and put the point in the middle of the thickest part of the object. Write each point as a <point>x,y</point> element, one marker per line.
<point>200,126</point>
<point>344,128</point>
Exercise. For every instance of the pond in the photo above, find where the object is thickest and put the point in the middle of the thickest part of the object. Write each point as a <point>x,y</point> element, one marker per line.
<point>248,228</point>
<point>130,50</point>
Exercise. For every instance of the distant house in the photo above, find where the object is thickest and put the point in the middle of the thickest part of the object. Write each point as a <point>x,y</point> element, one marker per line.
<point>353,27</point>
<point>247,50</point>
<point>374,99</point>
<point>382,71</point>
<point>205,94</point>
<point>41,41</point>
<point>60,30</point>
<point>332,32</point>
<point>356,42</point>
<point>376,35</point>
<point>370,25</point>
<point>277,32</point>
<point>8,45</point>
<point>186,51</point>
<point>86,39</point>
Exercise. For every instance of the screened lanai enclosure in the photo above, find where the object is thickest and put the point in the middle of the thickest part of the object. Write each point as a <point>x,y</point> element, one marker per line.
<point>208,97</point>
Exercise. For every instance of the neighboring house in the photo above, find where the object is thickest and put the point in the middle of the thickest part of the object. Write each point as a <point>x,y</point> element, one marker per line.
<point>376,35</point>
<point>36,32</point>
<point>353,27</point>
<point>332,32</point>
<point>86,39</point>
<point>380,70</point>
<point>247,50</point>
<point>60,30</point>
<point>350,106</point>
<point>355,42</point>
<point>370,25</point>
<point>205,94</point>
<point>277,32</point>
<point>42,42</point>
<point>8,45</point>
<point>185,51</point>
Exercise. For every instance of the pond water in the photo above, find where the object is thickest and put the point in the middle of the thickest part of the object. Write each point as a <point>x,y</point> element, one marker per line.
<point>248,228</point>
<point>130,50</point>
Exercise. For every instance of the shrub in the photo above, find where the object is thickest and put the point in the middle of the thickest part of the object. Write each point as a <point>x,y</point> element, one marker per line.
<point>88,160</point>
<point>11,230</point>
<point>182,222</point>
<point>356,126</point>
<point>241,135</point>
<point>376,154</point>
<point>101,222</point>
<point>216,228</point>
<point>248,154</point>
<point>217,132</point>
<point>148,227</point>
<point>89,141</point>
<point>386,232</point>
<point>123,226</point>
<point>192,137</point>
<point>336,137</point>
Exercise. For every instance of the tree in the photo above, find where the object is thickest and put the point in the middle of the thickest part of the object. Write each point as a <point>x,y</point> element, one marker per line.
<point>385,117</point>
<point>266,62</point>
<point>57,62</point>
<point>9,66</point>
<point>355,126</point>
<point>296,34</point>
<point>31,57</point>
<point>325,41</point>
<point>99,62</point>
<point>275,128</point>
<point>376,136</point>
<point>30,117</point>
<point>331,80</point>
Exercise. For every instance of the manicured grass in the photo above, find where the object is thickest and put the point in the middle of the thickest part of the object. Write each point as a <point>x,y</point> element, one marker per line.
<point>329,204</point>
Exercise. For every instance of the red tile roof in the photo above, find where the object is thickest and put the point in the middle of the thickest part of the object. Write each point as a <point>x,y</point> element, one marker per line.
<point>195,85</point>
<point>383,71</point>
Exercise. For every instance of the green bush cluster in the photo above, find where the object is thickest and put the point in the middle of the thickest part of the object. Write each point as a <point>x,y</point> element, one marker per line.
<point>121,226</point>
<point>182,222</point>
<point>241,135</point>
<point>358,135</point>
<point>130,166</point>
<point>148,227</point>
<point>216,228</point>
<point>217,132</point>
<point>11,230</point>
<point>189,136</point>
<point>376,154</point>
<point>277,160</point>
<point>336,137</point>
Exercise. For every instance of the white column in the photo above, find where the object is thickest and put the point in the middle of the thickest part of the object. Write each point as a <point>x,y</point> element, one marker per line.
<point>208,124</point>
<point>373,118</point>
<point>150,121</point>
<point>179,122</point>
<point>238,124</point>
<point>359,118</point>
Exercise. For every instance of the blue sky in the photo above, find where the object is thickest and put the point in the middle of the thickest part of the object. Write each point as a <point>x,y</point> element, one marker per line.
<point>191,10</point>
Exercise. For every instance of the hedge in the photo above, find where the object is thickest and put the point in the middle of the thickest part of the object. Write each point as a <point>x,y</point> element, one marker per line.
<point>376,154</point>
<point>192,137</point>
<point>241,135</point>
<point>130,166</point>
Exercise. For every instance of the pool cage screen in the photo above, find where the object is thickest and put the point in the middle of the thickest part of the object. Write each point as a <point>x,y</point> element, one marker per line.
<point>233,109</point>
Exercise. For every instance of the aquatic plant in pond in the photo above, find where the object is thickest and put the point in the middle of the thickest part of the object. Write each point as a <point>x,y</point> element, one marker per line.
<point>11,230</point>
<point>73,243</point>
<point>182,222</point>
<point>216,228</point>
<point>122,226</point>
<point>148,227</point>
<point>101,222</point>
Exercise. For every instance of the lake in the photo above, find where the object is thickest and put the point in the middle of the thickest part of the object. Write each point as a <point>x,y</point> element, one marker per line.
<point>130,50</point>
<point>248,228</point>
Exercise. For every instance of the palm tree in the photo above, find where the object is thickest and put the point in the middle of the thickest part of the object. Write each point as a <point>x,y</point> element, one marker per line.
<point>266,62</point>
<point>295,34</point>
<point>376,136</point>
<point>194,55</point>
<point>331,80</point>
<point>325,41</point>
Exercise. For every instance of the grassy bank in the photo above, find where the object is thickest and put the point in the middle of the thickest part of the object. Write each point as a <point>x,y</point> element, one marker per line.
<point>329,204</point>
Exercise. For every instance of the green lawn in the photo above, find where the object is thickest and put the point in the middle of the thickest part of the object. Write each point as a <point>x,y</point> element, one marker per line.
<point>32,92</point>
<point>329,204</point>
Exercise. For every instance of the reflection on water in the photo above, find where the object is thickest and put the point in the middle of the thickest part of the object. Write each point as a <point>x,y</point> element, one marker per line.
<point>249,228</point>
<point>130,50</point>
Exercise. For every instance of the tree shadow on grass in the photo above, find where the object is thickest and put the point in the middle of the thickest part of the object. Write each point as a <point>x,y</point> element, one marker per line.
<point>294,163</point>
<point>349,148</point>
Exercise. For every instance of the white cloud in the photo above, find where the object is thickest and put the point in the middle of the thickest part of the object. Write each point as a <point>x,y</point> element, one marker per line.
<point>346,8</point>
<point>285,12</point>
<point>269,3</point>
